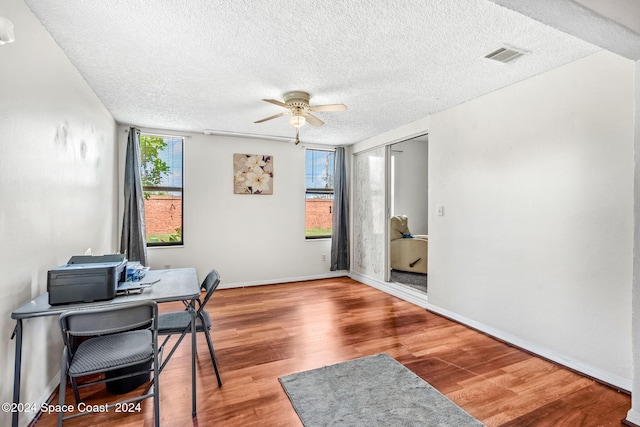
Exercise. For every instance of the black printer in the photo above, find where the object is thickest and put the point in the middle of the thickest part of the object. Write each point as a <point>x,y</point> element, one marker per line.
<point>86,278</point>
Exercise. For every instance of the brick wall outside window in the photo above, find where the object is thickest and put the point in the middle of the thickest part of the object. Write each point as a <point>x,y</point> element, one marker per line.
<point>163,214</point>
<point>318,213</point>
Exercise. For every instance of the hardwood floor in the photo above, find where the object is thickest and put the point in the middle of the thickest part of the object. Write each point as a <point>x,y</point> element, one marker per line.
<point>261,333</point>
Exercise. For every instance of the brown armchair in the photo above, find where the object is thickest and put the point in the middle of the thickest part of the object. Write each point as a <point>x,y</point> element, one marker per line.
<point>408,252</point>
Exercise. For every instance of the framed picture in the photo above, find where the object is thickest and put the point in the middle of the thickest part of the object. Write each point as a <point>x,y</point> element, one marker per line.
<point>252,174</point>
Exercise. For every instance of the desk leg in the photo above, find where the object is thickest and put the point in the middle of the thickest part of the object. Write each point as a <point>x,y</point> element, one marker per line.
<point>193,363</point>
<point>17,367</point>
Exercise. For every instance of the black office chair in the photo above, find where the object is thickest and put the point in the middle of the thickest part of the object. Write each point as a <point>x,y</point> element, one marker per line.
<point>122,337</point>
<point>179,322</point>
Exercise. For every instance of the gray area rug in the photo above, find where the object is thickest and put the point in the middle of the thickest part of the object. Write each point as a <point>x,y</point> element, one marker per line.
<point>370,391</point>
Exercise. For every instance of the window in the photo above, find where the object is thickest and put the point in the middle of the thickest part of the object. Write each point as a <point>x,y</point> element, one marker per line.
<point>319,193</point>
<point>161,173</point>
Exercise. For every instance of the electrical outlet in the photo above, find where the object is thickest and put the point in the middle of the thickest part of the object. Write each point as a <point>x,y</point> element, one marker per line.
<point>167,266</point>
<point>324,257</point>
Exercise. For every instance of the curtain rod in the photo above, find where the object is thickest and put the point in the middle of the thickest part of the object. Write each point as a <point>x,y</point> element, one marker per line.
<point>160,134</point>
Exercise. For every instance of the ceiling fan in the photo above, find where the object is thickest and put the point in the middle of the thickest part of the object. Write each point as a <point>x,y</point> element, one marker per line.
<point>297,103</point>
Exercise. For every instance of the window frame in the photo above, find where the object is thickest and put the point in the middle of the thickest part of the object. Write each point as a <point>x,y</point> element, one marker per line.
<point>161,188</point>
<point>319,191</point>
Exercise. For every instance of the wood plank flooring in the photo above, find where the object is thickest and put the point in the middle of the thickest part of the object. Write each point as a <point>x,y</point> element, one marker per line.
<point>261,333</point>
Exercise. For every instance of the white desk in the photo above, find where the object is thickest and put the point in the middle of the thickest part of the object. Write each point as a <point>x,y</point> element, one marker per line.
<point>179,284</point>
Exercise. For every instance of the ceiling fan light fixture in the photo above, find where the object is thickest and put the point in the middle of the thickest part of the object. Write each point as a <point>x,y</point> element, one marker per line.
<point>297,104</point>
<point>297,121</point>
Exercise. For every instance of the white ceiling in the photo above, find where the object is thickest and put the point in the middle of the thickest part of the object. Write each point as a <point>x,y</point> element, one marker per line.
<point>191,65</point>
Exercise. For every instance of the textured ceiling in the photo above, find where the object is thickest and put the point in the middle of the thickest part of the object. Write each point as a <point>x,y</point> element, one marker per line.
<point>192,65</point>
<point>613,24</point>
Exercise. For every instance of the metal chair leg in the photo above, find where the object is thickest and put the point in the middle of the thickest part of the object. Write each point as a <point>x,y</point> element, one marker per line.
<point>63,385</point>
<point>213,356</point>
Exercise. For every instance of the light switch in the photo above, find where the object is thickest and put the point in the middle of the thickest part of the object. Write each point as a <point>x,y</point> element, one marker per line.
<point>440,210</point>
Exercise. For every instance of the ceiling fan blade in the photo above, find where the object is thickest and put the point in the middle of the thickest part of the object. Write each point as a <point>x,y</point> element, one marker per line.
<point>275,116</point>
<point>276,102</point>
<point>328,107</point>
<point>313,120</point>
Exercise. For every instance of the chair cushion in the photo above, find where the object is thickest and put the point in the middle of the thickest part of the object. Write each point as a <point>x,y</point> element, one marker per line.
<point>112,351</point>
<point>176,321</point>
<point>399,227</point>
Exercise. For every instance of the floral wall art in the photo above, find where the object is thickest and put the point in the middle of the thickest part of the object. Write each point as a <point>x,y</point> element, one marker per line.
<point>252,174</point>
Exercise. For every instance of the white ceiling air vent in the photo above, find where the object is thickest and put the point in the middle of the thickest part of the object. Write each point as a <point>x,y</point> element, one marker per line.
<point>506,54</point>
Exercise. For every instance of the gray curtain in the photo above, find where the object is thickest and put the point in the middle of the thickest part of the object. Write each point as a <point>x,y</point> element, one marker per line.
<point>133,241</point>
<point>340,225</point>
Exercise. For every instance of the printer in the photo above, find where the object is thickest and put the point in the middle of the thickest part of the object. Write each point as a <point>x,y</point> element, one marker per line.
<point>86,278</point>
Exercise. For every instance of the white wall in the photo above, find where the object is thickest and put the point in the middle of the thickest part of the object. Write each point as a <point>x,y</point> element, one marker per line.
<point>408,131</point>
<point>537,237</point>
<point>624,12</point>
<point>249,239</point>
<point>57,189</point>
<point>634,413</point>
<point>411,181</point>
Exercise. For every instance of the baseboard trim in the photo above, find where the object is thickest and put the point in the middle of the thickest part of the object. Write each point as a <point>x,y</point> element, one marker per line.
<point>632,419</point>
<point>403,292</point>
<point>30,418</point>
<point>607,378</point>
<point>328,275</point>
